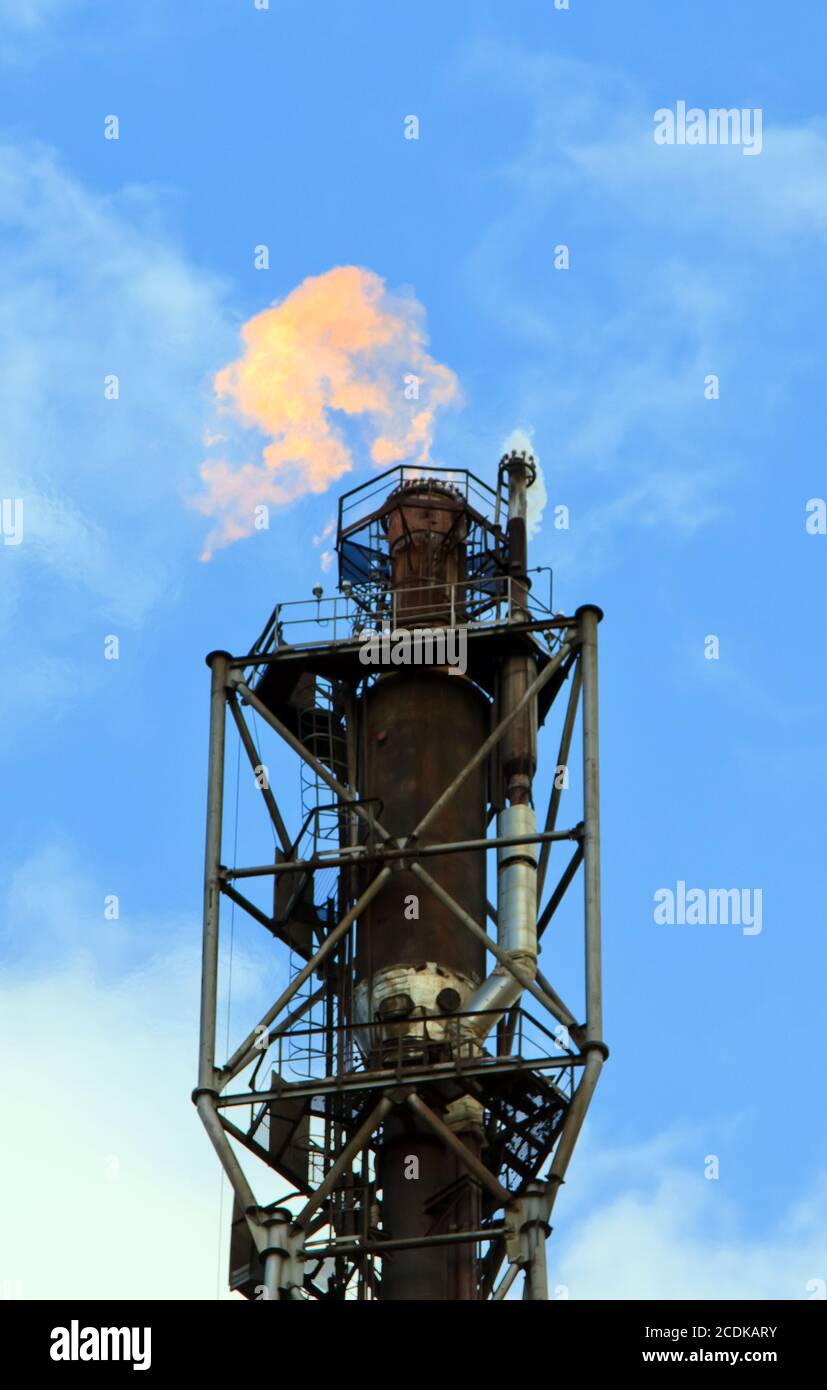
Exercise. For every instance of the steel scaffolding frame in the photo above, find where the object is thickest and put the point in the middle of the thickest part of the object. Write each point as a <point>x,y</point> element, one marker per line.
<point>284,1240</point>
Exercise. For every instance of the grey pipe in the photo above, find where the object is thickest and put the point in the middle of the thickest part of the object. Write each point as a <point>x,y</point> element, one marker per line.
<point>516,922</point>
<point>589,617</point>
<point>205,1105</point>
<point>572,1125</point>
<point>218,663</point>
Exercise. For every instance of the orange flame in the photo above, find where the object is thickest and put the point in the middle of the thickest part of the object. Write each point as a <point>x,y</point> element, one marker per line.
<point>339,342</point>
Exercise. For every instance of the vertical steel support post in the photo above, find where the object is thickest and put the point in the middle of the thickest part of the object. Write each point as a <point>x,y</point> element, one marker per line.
<point>537,1269</point>
<point>537,1273</point>
<point>593,1045</point>
<point>273,1263</point>
<point>218,663</point>
<point>589,616</point>
<point>275,1253</point>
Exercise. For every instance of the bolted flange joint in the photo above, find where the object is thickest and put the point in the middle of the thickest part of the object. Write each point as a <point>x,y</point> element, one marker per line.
<point>527,1218</point>
<point>280,1245</point>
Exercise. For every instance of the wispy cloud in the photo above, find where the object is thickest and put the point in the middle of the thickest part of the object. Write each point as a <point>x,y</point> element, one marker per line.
<point>91,291</point>
<point>644,1223</point>
<point>758,694</point>
<point>674,275</point>
<point>27,27</point>
<point>33,14</point>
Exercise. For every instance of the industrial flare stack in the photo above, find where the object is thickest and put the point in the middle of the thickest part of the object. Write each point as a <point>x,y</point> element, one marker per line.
<point>418,1085</point>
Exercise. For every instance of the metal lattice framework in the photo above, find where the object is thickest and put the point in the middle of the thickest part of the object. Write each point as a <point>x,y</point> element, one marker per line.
<point>325,1239</point>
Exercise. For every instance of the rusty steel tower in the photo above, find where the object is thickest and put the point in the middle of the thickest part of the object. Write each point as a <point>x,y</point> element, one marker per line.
<point>418,1085</point>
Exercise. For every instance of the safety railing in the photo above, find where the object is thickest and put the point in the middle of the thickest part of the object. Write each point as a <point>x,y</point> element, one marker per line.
<point>357,504</point>
<point>479,602</point>
<point>302,1054</point>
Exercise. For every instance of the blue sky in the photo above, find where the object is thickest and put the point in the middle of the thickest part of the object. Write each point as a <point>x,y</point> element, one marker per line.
<point>240,127</point>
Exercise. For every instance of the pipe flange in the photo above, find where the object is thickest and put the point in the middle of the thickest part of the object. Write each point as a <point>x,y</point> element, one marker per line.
<point>521,458</point>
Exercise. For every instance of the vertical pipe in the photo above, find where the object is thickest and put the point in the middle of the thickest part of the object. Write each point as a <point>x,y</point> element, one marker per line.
<point>536,1274</point>
<point>539,1270</point>
<point>521,473</point>
<point>273,1262</point>
<point>275,1252</point>
<point>347,876</point>
<point>518,755</point>
<point>536,1229</point>
<point>589,616</point>
<point>218,663</point>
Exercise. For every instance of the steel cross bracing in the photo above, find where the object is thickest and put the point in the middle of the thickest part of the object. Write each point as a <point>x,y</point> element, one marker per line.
<point>536,1104</point>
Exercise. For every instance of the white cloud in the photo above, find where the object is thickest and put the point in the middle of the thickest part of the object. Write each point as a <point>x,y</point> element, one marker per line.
<point>35,678</point>
<point>94,1073</point>
<point>99,1046</point>
<point>748,691</point>
<point>32,14</point>
<point>104,1160</point>
<point>91,288</point>
<point>590,129</point>
<point>675,263</point>
<point>639,1222</point>
<point>783,190</point>
<point>28,27</point>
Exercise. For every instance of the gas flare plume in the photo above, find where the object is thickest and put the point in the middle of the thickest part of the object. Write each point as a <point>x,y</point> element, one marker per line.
<point>339,347</point>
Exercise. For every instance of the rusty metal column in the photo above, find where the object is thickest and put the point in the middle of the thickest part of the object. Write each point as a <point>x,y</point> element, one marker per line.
<point>419,727</point>
<point>218,663</point>
<point>589,616</point>
<point>522,472</point>
<point>518,754</point>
